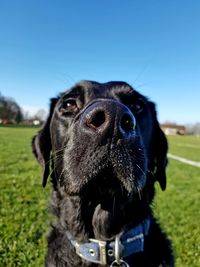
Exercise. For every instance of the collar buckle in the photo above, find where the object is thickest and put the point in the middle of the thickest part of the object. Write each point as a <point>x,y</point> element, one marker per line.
<point>102,259</point>
<point>102,250</point>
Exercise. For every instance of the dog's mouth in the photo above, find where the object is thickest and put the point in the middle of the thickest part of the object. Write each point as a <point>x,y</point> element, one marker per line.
<point>110,190</point>
<point>105,187</point>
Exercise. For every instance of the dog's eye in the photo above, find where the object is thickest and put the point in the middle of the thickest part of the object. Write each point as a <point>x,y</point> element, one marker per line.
<point>138,108</point>
<point>70,105</point>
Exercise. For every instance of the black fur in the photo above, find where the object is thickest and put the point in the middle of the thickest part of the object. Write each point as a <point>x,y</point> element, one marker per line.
<point>103,170</point>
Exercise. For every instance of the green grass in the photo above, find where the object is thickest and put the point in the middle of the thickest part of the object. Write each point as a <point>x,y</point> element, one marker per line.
<point>178,207</point>
<point>23,202</point>
<point>185,146</point>
<point>25,218</point>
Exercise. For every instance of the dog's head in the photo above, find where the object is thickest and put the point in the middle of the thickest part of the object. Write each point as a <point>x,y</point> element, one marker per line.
<point>105,137</point>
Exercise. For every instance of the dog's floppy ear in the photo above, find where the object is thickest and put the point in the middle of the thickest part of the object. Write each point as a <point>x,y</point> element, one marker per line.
<point>159,147</point>
<point>41,144</point>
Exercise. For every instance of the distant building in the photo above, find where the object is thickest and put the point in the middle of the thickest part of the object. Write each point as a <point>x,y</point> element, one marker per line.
<point>36,122</point>
<point>173,129</point>
<point>32,122</point>
<point>6,121</point>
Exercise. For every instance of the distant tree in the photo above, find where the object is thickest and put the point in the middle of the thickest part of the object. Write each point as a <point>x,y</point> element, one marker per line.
<point>26,115</point>
<point>40,115</point>
<point>10,111</point>
<point>189,129</point>
<point>197,129</point>
<point>193,129</point>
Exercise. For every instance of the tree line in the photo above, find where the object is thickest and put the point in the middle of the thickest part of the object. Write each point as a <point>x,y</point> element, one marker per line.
<point>12,113</point>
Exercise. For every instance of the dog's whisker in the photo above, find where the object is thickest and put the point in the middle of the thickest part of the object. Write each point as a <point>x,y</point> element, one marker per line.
<point>53,158</point>
<point>141,170</point>
<point>59,149</point>
<point>113,209</point>
<point>63,170</point>
<point>139,190</point>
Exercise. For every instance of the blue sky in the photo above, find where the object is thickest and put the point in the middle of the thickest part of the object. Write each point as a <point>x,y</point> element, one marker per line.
<point>47,46</point>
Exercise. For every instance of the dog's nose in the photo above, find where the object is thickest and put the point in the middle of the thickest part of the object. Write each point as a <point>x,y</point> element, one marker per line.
<point>109,116</point>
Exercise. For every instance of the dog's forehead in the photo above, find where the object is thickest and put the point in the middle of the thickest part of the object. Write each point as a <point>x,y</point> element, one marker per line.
<point>89,90</point>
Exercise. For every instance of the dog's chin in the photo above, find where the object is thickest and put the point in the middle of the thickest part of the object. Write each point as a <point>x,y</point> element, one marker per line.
<point>108,186</point>
<point>109,189</point>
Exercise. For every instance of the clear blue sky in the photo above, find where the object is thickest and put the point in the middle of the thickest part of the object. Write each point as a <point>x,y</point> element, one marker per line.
<point>46,46</point>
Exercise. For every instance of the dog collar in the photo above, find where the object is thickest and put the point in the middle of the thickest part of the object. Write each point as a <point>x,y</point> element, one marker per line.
<point>107,252</point>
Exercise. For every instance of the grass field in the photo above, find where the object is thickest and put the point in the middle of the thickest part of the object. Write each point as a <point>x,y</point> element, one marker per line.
<point>185,146</point>
<point>24,215</point>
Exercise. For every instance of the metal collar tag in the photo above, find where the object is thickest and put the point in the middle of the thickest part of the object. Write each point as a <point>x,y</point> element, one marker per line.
<point>118,254</point>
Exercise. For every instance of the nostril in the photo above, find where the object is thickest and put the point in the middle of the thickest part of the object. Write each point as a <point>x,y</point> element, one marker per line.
<point>97,119</point>
<point>127,123</point>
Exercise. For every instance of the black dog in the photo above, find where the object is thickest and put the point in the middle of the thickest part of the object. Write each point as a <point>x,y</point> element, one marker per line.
<point>106,151</point>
